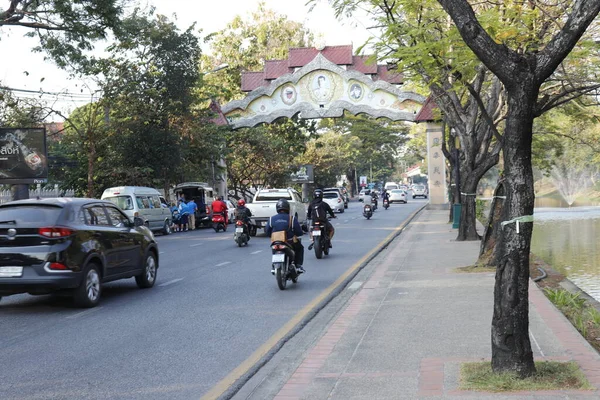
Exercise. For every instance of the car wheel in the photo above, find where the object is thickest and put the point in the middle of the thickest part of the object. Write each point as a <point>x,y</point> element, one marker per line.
<point>167,228</point>
<point>147,278</point>
<point>414,197</point>
<point>341,210</point>
<point>88,293</point>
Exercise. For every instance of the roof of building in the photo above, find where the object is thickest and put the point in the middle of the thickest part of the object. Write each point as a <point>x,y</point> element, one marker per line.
<point>426,113</point>
<point>276,68</point>
<point>253,80</point>
<point>341,55</point>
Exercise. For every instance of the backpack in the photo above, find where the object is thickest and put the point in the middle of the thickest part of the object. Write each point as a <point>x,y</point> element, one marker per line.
<point>281,236</point>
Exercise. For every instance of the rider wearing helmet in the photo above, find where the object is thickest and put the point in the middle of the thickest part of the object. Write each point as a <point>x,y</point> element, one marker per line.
<point>219,207</point>
<point>242,213</point>
<point>282,221</point>
<point>385,195</point>
<point>318,210</point>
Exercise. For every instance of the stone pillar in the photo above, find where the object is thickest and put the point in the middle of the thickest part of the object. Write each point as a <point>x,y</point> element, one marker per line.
<point>436,167</point>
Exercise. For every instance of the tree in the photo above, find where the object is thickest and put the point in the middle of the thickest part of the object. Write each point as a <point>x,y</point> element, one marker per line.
<point>522,73</point>
<point>65,28</point>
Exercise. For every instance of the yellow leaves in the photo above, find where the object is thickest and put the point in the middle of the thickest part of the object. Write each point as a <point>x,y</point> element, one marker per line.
<point>506,35</point>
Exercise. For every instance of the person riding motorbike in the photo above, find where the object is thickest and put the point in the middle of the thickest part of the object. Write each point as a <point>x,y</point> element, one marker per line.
<point>283,222</point>
<point>374,198</point>
<point>219,207</point>
<point>318,210</point>
<point>385,195</point>
<point>243,213</point>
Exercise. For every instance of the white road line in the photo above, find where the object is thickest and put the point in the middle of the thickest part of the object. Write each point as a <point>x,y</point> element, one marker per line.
<point>223,263</point>
<point>256,252</point>
<point>536,343</point>
<point>171,282</point>
<point>355,286</point>
<point>197,244</point>
<point>79,314</point>
<point>161,252</point>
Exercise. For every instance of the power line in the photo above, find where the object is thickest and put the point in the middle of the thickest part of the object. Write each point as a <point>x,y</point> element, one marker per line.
<point>41,92</point>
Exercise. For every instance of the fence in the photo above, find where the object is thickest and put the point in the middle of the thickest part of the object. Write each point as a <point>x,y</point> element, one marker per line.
<point>6,195</point>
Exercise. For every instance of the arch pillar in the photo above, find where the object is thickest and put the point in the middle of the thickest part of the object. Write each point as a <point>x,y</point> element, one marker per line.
<point>436,167</point>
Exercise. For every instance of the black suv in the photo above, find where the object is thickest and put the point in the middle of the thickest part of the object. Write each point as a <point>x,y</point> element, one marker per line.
<point>72,245</point>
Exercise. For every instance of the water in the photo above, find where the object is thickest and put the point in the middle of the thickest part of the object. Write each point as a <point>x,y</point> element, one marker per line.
<point>567,239</point>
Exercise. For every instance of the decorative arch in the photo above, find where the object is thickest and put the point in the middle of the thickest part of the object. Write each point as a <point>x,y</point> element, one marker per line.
<point>322,89</point>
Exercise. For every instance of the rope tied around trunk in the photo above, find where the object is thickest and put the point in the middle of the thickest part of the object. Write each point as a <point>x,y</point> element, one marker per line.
<point>518,220</point>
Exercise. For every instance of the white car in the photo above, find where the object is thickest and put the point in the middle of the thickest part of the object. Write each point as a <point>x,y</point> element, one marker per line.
<point>420,191</point>
<point>335,200</point>
<point>230,211</point>
<point>398,196</point>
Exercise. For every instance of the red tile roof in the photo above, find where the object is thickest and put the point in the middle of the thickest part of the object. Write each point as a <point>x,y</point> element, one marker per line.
<point>253,80</point>
<point>340,55</point>
<point>426,113</point>
<point>390,76</point>
<point>276,68</point>
<point>360,64</point>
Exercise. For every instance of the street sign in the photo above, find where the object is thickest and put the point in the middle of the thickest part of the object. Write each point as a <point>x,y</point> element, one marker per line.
<point>304,174</point>
<point>23,156</point>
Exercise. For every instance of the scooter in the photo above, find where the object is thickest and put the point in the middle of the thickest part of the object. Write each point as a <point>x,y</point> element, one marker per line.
<point>282,264</point>
<point>367,211</point>
<point>320,239</point>
<point>218,221</point>
<point>240,236</point>
<point>386,204</point>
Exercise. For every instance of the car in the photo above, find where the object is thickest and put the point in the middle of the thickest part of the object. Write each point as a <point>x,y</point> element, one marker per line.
<point>264,205</point>
<point>230,211</point>
<point>419,191</point>
<point>72,246</point>
<point>398,196</point>
<point>335,200</point>
<point>341,191</point>
<point>391,186</point>
<point>365,193</point>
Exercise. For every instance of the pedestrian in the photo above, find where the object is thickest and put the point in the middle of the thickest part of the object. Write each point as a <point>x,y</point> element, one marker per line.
<point>183,211</point>
<point>192,208</point>
<point>176,218</point>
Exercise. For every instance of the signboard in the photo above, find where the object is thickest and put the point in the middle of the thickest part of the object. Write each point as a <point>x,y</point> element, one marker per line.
<point>304,174</point>
<point>363,181</point>
<point>23,156</point>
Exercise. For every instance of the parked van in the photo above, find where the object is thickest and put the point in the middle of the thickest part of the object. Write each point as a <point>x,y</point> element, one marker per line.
<point>202,194</point>
<point>144,202</point>
<point>391,186</point>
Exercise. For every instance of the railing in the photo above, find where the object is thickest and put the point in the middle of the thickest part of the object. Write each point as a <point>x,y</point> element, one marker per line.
<point>6,195</point>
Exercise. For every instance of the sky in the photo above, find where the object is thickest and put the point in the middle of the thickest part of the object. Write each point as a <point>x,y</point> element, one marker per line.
<point>29,71</point>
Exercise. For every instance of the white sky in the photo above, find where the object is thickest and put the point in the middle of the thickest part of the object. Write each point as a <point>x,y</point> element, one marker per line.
<point>209,15</point>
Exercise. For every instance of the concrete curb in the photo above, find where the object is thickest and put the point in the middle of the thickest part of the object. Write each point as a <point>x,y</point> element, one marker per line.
<point>240,382</point>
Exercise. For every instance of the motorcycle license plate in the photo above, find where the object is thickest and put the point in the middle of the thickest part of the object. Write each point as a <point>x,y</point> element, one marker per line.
<point>316,233</point>
<point>278,258</point>
<point>239,230</point>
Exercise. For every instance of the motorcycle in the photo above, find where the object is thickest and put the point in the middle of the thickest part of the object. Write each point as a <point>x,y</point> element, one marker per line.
<point>240,236</point>
<point>320,239</point>
<point>282,264</point>
<point>218,221</point>
<point>367,211</point>
<point>386,204</point>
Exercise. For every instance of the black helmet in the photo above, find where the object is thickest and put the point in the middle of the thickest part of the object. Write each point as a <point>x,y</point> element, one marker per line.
<point>283,205</point>
<point>318,194</point>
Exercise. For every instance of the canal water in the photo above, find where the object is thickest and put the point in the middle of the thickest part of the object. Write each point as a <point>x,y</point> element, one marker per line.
<point>567,239</point>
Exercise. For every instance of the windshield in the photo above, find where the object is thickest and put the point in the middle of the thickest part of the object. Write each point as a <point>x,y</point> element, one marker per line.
<point>30,215</point>
<point>330,195</point>
<point>273,196</point>
<point>123,202</point>
<point>397,191</point>
<point>419,187</point>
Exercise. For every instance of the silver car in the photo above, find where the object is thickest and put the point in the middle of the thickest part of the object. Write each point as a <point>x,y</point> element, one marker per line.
<point>419,191</point>
<point>335,200</point>
<point>398,196</point>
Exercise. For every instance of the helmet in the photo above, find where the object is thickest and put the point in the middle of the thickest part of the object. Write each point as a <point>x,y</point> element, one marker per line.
<point>220,198</point>
<point>241,202</point>
<point>318,194</point>
<point>283,205</point>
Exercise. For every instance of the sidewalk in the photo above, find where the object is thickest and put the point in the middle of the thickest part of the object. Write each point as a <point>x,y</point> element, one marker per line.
<point>405,332</point>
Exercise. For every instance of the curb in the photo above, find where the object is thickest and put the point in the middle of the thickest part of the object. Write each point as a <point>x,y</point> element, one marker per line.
<point>242,380</point>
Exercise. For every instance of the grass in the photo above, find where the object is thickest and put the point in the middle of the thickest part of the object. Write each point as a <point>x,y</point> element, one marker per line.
<point>550,375</point>
<point>472,269</point>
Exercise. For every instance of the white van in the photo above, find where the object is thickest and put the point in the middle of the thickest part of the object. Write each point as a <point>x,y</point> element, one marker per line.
<point>144,202</point>
<point>391,186</point>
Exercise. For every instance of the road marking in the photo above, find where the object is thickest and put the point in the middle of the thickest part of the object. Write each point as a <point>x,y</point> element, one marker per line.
<point>161,252</point>
<point>536,343</point>
<point>256,252</point>
<point>255,357</point>
<point>79,314</point>
<point>355,286</point>
<point>197,244</point>
<point>223,263</point>
<point>170,282</point>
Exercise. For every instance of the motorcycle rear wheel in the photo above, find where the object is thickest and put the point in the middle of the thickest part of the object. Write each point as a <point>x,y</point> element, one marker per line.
<point>281,278</point>
<point>318,249</point>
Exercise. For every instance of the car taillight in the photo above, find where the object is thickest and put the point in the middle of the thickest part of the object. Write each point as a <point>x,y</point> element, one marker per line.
<point>207,210</point>
<point>278,247</point>
<point>339,200</point>
<point>58,266</point>
<point>55,232</point>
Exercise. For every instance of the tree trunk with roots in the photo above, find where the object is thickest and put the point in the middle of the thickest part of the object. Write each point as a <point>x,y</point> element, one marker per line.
<point>489,253</point>
<point>467,229</point>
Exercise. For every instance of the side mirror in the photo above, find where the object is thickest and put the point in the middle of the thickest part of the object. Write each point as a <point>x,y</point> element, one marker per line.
<point>137,221</point>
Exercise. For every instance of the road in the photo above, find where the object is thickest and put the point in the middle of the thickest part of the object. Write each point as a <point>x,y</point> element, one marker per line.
<point>214,304</point>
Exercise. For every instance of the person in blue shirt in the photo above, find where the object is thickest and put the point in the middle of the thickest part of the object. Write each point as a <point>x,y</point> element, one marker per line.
<point>184,212</point>
<point>192,208</point>
<point>281,222</point>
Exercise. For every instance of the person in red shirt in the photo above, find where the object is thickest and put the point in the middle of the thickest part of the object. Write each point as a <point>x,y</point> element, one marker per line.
<point>219,206</point>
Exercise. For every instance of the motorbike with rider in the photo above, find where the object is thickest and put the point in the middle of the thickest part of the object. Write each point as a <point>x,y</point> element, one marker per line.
<point>385,196</point>
<point>318,210</point>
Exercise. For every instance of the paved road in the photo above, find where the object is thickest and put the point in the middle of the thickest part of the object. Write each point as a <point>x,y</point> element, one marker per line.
<point>213,305</point>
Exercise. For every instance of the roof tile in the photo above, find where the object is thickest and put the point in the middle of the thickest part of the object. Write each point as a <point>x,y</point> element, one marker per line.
<point>360,64</point>
<point>276,68</point>
<point>253,80</point>
<point>426,112</point>
<point>390,76</point>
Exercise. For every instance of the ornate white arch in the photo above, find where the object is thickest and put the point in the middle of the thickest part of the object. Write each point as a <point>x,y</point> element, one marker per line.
<point>322,89</point>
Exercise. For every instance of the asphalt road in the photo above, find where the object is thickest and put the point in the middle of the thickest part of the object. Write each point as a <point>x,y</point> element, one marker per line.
<point>213,305</point>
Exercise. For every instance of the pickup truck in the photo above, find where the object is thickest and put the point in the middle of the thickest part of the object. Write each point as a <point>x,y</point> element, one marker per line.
<point>264,202</point>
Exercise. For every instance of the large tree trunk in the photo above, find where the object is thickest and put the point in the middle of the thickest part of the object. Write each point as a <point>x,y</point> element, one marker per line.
<point>489,253</point>
<point>511,348</point>
<point>467,230</point>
